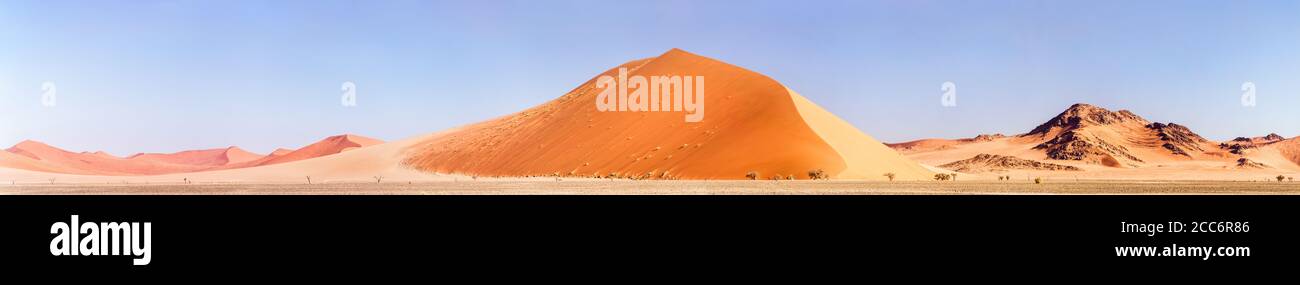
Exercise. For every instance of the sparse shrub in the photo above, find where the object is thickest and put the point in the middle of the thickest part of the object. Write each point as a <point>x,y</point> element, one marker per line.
<point>817,174</point>
<point>1280,178</point>
<point>953,176</point>
<point>379,179</point>
<point>776,177</point>
<point>891,176</point>
<point>1038,180</point>
<point>1291,179</point>
<point>752,175</point>
<point>943,177</point>
<point>789,177</point>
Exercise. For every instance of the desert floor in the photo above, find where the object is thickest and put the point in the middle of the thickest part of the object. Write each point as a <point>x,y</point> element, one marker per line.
<point>625,187</point>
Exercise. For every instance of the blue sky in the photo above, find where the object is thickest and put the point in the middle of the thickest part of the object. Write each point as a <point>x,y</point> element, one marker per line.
<point>162,76</point>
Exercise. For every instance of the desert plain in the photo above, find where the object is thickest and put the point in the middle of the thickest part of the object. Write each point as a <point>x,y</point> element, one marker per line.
<point>667,187</point>
<point>759,137</point>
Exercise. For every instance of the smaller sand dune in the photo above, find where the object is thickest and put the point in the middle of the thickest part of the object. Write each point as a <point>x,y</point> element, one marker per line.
<point>1250,164</point>
<point>41,157</point>
<point>1000,163</point>
<point>207,157</point>
<point>327,146</point>
<point>280,152</point>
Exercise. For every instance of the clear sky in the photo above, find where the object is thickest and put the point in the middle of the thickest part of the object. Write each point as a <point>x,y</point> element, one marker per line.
<point>161,76</point>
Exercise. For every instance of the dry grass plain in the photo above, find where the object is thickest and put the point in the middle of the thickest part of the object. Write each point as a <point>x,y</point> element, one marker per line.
<point>627,187</point>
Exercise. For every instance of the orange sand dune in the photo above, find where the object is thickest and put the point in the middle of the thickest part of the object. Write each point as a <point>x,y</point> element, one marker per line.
<point>751,123</point>
<point>36,156</point>
<point>18,161</point>
<point>208,157</point>
<point>327,146</point>
<point>357,165</point>
<point>280,152</point>
<point>58,160</point>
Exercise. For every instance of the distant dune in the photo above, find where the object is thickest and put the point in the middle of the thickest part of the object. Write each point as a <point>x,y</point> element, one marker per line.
<point>327,146</point>
<point>753,123</point>
<point>209,157</point>
<point>280,152</point>
<point>1120,145</point>
<point>40,157</point>
<point>37,156</point>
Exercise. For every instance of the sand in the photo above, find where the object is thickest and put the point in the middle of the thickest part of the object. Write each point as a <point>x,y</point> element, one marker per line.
<point>864,156</point>
<point>752,124</point>
<point>45,160</point>
<point>1122,146</point>
<point>682,187</point>
<point>351,164</point>
<point>327,146</point>
<point>209,157</point>
<point>37,156</point>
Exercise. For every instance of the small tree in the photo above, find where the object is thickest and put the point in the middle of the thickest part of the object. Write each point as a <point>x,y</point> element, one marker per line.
<point>954,176</point>
<point>1290,179</point>
<point>1280,178</point>
<point>1038,180</point>
<point>817,174</point>
<point>752,175</point>
<point>891,176</point>
<point>379,179</point>
<point>51,181</point>
<point>308,179</point>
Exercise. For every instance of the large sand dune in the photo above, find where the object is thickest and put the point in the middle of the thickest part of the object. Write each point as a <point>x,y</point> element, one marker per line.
<point>752,123</point>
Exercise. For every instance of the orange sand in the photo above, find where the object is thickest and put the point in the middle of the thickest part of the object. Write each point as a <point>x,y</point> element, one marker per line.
<point>752,123</point>
<point>1151,160</point>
